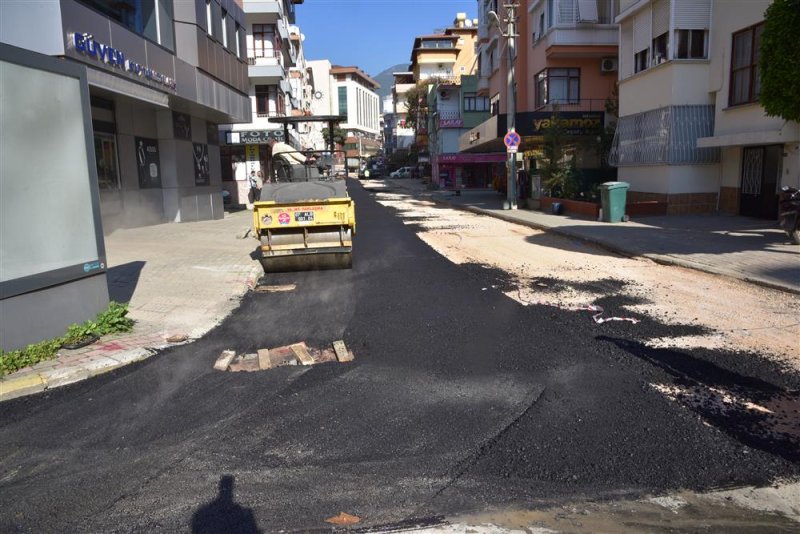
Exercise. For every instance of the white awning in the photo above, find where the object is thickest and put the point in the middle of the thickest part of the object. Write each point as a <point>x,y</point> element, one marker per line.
<point>769,137</point>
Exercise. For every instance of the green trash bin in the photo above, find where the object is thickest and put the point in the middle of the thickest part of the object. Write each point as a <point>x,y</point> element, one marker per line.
<point>612,199</point>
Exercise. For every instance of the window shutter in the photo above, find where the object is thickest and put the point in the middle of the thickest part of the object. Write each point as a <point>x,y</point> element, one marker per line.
<point>625,49</point>
<point>587,11</point>
<point>567,11</point>
<point>660,17</point>
<point>641,31</point>
<point>692,14</point>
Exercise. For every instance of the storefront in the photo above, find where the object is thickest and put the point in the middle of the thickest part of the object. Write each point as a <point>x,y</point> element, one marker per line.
<point>244,152</point>
<point>155,100</point>
<point>468,171</point>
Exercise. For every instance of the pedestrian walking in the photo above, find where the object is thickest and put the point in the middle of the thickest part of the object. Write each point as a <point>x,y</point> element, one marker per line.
<point>255,190</point>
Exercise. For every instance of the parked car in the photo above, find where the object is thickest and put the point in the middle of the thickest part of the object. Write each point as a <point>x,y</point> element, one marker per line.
<point>402,172</point>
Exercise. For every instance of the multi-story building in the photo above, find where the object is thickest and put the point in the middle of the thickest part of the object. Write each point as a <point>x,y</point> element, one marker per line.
<point>273,48</point>
<point>758,154</point>
<point>162,76</point>
<point>402,135</point>
<point>692,135</point>
<point>453,110</point>
<point>440,58</point>
<point>565,69</point>
<point>324,100</point>
<point>358,101</point>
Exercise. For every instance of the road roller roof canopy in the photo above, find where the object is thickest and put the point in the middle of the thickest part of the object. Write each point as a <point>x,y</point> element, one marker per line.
<point>332,120</point>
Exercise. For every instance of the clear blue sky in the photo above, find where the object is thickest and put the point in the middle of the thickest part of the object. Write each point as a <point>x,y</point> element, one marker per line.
<point>372,34</point>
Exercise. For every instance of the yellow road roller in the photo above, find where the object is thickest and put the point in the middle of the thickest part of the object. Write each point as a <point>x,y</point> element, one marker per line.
<point>304,217</point>
<point>304,222</point>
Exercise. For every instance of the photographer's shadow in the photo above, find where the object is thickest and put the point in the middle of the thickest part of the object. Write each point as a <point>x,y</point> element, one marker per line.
<point>224,515</point>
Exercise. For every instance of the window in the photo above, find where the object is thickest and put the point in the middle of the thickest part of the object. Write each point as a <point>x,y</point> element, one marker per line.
<point>151,19</point>
<point>473,102</point>
<point>660,48</point>
<point>745,78</point>
<point>495,104</point>
<point>691,44</point>
<point>641,60</point>
<point>541,25</point>
<point>343,101</point>
<point>238,48</point>
<point>550,11</point>
<point>558,86</point>
<point>263,40</point>
<point>224,28</point>
<point>209,22</point>
<point>269,101</point>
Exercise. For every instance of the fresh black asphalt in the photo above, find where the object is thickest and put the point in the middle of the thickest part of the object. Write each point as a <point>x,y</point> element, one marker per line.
<point>459,399</point>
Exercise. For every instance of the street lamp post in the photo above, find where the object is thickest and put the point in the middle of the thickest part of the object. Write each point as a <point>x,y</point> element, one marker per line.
<point>511,35</point>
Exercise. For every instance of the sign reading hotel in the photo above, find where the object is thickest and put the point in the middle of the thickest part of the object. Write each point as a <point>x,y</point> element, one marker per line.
<point>84,44</point>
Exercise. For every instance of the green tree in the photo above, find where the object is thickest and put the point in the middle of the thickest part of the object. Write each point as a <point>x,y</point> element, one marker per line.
<point>416,102</point>
<point>779,61</point>
<point>558,172</point>
<point>339,136</point>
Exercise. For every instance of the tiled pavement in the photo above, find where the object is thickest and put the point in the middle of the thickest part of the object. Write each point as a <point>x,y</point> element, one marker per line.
<point>180,281</point>
<point>183,279</point>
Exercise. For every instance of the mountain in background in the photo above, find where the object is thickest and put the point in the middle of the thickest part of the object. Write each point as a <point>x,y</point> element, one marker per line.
<point>386,79</point>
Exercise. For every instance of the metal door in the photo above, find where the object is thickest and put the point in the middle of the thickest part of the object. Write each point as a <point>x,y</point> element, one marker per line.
<point>761,169</point>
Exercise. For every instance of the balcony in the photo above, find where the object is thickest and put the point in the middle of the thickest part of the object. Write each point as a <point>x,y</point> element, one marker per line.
<point>584,104</point>
<point>450,119</point>
<point>265,64</point>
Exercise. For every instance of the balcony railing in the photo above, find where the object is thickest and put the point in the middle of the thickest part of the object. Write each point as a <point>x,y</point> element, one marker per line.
<point>262,114</point>
<point>583,104</point>
<point>264,57</point>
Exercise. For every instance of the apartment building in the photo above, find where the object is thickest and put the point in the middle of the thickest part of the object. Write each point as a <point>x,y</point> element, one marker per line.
<point>162,76</point>
<point>692,135</point>
<point>358,101</point>
<point>565,70</point>
<point>275,80</point>
<point>402,136</point>
<point>441,58</point>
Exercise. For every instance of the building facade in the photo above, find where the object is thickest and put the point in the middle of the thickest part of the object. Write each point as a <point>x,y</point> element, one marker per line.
<point>692,134</point>
<point>275,85</point>
<point>565,73</point>
<point>162,76</point>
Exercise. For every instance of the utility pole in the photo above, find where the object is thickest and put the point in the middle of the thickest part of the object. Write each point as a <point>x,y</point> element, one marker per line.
<point>511,107</point>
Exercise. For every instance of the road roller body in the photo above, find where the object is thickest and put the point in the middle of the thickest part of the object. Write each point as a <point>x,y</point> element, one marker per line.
<point>305,224</point>
<point>304,217</point>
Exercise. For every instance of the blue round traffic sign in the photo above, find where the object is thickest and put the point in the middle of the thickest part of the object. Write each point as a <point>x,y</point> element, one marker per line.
<point>511,139</point>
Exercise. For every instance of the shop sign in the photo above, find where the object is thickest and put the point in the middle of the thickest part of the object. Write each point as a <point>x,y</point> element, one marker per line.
<point>85,44</point>
<point>451,123</point>
<point>535,123</point>
<point>472,157</point>
<point>254,137</point>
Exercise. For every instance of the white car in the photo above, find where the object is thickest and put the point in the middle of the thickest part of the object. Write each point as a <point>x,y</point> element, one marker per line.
<point>402,172</point>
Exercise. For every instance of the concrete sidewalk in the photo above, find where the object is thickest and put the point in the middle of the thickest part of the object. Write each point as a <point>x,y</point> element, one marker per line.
<point>180,280</point>
<point>744,248</point>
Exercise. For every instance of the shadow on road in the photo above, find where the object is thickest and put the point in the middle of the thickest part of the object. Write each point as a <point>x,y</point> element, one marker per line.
<point>123,279</point>
<point>753,411</point>
<point>223,514</point>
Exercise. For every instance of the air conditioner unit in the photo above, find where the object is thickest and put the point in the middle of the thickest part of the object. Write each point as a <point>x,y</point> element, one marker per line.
<point>609,64</point>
